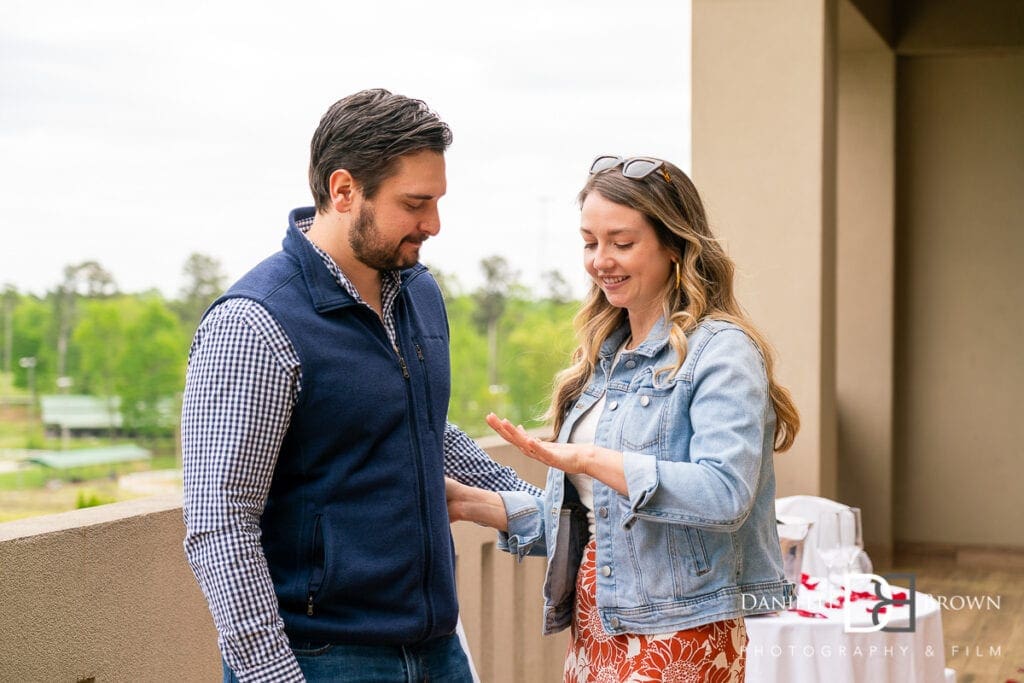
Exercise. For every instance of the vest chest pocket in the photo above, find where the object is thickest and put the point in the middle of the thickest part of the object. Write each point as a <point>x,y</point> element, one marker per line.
<point>432,356</point>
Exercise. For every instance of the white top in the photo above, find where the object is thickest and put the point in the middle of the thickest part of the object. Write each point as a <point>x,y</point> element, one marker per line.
<point>584,432</point>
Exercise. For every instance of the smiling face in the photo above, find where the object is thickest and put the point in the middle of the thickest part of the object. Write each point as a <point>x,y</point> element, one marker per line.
<point>623,256</point>
<point>388,230</point>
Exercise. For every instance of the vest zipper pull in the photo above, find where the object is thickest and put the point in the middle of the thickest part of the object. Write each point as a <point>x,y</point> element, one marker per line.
<point>405,368</point>
<point>309,606</point>
<point>419,352</point>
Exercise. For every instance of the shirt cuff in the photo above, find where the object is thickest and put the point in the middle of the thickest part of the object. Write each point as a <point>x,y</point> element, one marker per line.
<point>525,523</point>
<point>641,482</point>
<point>285,669</point>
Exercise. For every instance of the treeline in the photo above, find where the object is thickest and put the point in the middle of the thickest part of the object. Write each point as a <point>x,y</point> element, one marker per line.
<point>86,337</point>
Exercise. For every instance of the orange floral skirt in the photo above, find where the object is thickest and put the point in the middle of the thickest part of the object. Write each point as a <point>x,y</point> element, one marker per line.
<point>711,653</point>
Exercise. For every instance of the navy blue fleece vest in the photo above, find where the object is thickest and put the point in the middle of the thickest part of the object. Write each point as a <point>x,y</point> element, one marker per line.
<point>355,530</point>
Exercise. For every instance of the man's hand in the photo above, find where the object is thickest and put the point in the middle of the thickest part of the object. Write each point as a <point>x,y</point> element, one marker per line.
<point>470,504</point>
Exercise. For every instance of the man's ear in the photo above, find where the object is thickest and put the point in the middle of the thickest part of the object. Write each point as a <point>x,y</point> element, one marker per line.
<point>343,189</point>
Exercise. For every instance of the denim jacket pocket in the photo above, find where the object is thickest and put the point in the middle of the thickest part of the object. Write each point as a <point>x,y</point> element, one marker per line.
<point>644,424</point>
<point>698,551</point>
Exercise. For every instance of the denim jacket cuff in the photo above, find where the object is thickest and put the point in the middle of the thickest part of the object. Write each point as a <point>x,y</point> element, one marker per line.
<point>525,523</point>
<point>641,482</point>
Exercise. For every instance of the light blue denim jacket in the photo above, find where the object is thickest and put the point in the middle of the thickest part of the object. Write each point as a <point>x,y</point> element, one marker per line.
<point>695,540</point>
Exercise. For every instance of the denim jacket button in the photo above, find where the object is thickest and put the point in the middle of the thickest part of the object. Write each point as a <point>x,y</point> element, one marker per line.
<point>606,571</point>
<point>602,511</point>
<point>630,364</point>
<point>614,621</point>
<point>580,404</point>
<point>645,401</point>
<point>613,405</point>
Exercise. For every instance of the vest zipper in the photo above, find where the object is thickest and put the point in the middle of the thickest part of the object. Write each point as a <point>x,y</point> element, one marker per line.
<point>318,565</point>
<point>401,361</point>
<point>423,369</point>
<point>410,397</point>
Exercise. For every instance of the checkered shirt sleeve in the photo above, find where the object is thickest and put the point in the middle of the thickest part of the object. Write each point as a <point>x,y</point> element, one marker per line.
<point>466,462</point>
<point>242,380</point>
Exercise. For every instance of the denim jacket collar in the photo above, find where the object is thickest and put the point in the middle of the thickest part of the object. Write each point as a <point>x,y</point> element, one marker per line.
<point>651,346</point>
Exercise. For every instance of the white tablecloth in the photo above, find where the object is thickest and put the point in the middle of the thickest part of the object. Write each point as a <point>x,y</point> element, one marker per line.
<point>790,648</point>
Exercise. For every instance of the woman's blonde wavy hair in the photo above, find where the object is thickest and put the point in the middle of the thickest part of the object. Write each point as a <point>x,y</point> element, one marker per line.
<point>672,206</point>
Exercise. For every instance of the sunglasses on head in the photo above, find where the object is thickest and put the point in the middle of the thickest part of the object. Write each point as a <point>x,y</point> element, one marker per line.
<point>636,168</point>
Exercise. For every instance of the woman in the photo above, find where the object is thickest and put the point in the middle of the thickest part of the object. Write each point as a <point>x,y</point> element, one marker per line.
<point>658,519</point>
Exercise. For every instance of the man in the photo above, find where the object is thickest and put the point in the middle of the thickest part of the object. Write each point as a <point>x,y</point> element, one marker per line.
<point>314,431</point>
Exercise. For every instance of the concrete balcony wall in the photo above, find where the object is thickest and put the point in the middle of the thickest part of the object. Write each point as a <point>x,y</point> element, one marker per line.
<point>102,594</point>
<point>105,594</point>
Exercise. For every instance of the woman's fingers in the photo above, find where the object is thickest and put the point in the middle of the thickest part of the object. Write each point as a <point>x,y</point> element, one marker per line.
<point>507,431</point>
<point>551,454</point>
<point>518,437</point>
<point>502,427</point>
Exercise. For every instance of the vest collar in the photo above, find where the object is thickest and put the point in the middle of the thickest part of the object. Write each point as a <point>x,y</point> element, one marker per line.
<point>324,291</point>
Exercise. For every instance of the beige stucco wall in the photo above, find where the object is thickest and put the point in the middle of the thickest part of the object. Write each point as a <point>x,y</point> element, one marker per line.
<point>764,160</point>
<point>874,213</point>
<point>960,306</point>
<point>864,271</point>
<point>102,593</point>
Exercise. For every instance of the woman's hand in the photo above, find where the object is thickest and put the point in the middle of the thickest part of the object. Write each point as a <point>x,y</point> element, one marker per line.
<point>470,504</point>
<point>602,464</point>
<point>570,458</point>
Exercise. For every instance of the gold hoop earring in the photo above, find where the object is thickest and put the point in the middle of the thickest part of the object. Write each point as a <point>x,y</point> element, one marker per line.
<point>679,276</point>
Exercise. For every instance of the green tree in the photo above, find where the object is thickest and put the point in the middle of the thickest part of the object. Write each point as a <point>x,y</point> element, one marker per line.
<point>151,368</point>
<point>204,281</point>
<point>490,298</point>
<point>32,323</point>
<point>101,342</point>
<point>470,397</point>
<point>537,343</point>
<point>10,300</point>
<point>559,290</point>
<point>86,279</point>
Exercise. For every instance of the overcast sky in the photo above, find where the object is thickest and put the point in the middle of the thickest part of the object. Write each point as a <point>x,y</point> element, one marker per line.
<point>135,133</point>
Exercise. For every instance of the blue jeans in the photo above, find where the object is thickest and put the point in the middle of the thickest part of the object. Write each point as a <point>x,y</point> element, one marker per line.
<point>438,661</point>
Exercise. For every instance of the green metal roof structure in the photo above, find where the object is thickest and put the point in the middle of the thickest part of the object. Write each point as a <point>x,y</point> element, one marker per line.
<point>63,460</point>
<point>75,411</point>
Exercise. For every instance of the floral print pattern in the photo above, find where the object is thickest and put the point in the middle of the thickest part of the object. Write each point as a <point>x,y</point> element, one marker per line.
<point>712,653</point>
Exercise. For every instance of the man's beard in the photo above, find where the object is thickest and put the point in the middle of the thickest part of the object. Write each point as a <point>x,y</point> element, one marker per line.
<point>370,248</point>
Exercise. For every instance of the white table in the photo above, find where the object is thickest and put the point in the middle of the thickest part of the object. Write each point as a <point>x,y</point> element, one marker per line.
<point>790,648</point>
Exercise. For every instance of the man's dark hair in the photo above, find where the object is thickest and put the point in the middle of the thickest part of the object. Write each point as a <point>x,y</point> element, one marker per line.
<point>365,134</point>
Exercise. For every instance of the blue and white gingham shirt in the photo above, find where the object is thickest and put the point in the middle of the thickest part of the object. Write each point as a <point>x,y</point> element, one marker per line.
<point>242,383</point>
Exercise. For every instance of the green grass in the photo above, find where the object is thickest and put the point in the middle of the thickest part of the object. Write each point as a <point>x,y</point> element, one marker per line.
<point>37,477</point>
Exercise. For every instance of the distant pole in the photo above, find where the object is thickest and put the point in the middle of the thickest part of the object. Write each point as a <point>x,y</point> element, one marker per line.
<point>29,363</point>
<point>8,334</point>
